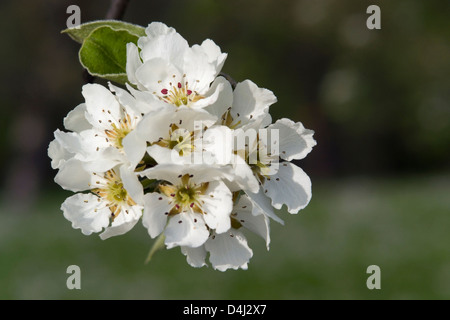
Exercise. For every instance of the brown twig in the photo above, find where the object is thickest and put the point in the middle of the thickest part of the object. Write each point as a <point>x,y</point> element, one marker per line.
<point>116,11</point>
<point>229,78</point>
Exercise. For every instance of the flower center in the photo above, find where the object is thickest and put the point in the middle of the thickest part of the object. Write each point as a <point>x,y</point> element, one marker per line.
<point>179,139</point>
<point>186,195</point>
<point>116,134</point>
<point>113,192</point>
<point>227,120</point>
<point>258,158</point>
<point>179,94</point>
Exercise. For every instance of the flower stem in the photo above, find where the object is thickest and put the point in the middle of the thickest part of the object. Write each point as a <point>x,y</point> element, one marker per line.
<point>158,244</point>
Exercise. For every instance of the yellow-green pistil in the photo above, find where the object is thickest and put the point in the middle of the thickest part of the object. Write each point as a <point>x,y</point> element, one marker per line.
<point>179,139</point>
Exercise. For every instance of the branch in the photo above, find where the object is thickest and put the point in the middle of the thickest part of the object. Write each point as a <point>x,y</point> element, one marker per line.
<point>229,78</point>
<point>116,11</point>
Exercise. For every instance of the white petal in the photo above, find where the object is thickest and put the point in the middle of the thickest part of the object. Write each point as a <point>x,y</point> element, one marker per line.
<point>156,211</point>
<point>134,146</point>
<point>217,204</point>
<point>292,189</point>
<point>199,71</point>
<point>72,142</point>
<point>244,179</point>
<point>147,102</point>
<point>264,204</point>
<point>295,141</point>
<point>127,101</point>
<point>217,145</point>
<point>224,99</point>
<point>122,223</point>
<point>104,160</point>
<point>92,148</point>
<point>73,176</point>
<point>214,54</point>
<point>228,251</point>
<point>157,74</point>
<point>156,29</point>
<point>87,143</point>
<point>133,62</point>
<point>252,218</point>
<point>250,102</point>
<point>156,125</point>
<point>132,185</point>
<point>170,46</point>
<point>76,119</point>
<point>164,155</point>
<point>205,173</point>
<point>195,256</point>
<point>210,96</point>
<point>58,154</point>
<point>86,213</point>
<point>167,172</point>
<point>101,105</point>
<point>186,229</point>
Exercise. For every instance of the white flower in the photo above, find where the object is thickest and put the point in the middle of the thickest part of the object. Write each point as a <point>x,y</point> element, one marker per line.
<point>99,126</point>
<point>247,106</point>
<point>230,250</point>
<point>111,122</point>
<point>171,72</point>
<point>265,144</point>
<point>188,203</point>
<point>114,203</point>
<point>284,182</point>
<point>168,136</point>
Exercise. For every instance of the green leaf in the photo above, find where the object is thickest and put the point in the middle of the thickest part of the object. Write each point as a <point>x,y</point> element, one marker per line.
<point>84,30</point>
<point>104,53</point>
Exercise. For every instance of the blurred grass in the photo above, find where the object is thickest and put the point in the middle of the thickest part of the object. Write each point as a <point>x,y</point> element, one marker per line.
<point>401,225</point>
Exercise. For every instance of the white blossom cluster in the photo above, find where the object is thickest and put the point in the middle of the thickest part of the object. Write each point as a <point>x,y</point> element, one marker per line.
<point>198,161</point>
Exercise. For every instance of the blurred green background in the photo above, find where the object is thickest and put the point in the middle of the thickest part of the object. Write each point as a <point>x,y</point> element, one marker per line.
<point>378,101</point>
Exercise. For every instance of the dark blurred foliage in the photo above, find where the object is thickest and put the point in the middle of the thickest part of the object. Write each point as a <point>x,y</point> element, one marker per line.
<point>378,100</point>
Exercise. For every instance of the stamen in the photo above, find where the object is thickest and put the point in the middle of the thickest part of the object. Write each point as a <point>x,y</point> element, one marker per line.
<point>113,193</point>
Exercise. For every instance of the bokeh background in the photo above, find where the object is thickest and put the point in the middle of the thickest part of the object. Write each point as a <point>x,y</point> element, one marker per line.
<point>378,100</point>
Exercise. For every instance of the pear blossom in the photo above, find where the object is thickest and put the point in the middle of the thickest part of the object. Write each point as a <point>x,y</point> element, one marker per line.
<point>189,202</point>
<point>98,128</point>
<point>91,157</point>
<point>167,136</point>
<point>230,250</point>
<point>269,149</point>
<point>170,72</point>
<point>200,162</point>
<point>114,203</point>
